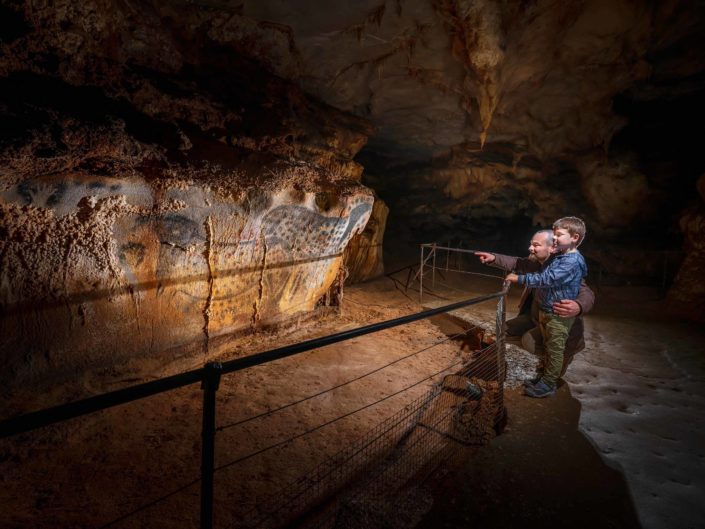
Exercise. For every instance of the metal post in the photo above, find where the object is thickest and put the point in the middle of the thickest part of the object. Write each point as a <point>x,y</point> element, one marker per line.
<point>500,352</point>
<point>447,255</point>
<point>499,331</point>
<point>433,274</point>
<point>421,277</point>
<point>209,385</point>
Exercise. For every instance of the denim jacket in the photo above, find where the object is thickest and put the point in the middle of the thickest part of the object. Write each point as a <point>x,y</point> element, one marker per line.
<point>559,280</point>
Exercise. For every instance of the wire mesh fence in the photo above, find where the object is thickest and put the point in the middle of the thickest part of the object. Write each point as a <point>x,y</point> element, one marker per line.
<point>359,481</point>
<point>360,486</point>
<point>367,484</point>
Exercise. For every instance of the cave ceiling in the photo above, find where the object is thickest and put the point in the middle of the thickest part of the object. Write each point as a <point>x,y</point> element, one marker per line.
<point>488,109</point>
<point>434,74</point>
<point>493,111</point>
<point>475,121</point>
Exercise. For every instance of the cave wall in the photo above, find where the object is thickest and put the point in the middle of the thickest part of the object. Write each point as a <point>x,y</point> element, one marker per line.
<point>99,270</point>
<point>687,295</point>
<point>160,195</point>
<point>364,255</point>
<point>199,163</point>
<point>495,118</point>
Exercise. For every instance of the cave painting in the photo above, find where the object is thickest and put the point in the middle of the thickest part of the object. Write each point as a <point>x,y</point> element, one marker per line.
<point>122,266</point>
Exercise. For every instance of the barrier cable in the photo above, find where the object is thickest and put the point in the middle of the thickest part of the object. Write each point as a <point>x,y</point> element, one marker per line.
<point>327,423</point>
<point>323,392</point>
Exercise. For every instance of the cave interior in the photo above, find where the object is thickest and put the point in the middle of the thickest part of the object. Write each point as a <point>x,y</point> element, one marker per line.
<point>189,181</point>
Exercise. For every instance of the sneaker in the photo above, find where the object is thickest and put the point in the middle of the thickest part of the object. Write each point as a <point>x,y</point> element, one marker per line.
<point>474,392</point>
<point>533,381</point>
<point>540,390</point>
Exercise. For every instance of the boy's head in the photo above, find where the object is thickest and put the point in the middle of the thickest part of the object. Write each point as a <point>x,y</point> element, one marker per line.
<point>568,232</point>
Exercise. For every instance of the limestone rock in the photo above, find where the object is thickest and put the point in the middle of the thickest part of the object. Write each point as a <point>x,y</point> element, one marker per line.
<point>96,271</point>
<point>155,203</point>
<point>363,255</point>
<point>617,192</point>
<point>687,294</point>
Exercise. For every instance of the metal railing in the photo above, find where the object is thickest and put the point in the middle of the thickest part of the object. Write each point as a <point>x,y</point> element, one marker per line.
<point>430,252</point>
<point>210,375</point>
<point>660,274</point>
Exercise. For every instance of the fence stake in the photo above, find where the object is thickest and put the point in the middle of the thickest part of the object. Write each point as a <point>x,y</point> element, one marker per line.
<point>499,340</point>
<point>421,276</point>
<point>433,275</point>
<point>211,381</point>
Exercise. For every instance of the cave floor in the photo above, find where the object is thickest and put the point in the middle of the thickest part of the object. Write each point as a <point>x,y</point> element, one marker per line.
<point>137,465</point>
<point>620,446</point>
<point>541,472</point>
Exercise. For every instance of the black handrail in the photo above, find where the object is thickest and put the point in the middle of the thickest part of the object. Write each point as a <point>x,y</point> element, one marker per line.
<point>63,412</point>
<point>289,350</point>
<point>209,376</point>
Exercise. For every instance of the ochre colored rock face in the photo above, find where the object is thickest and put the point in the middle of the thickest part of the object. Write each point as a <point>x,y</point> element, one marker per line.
<point>100,270</point>
<point>175,172</point>
<point>687,295</point>
<point>160,194</point>
<point>363,256</point>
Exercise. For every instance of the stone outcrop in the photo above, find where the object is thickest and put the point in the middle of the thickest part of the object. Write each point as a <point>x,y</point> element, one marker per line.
<point>687,295</point>
<point>98,270</point>
<point>153,204</point>
<point>146,146</point>
<point>363,255</point>
<point>501,117</point>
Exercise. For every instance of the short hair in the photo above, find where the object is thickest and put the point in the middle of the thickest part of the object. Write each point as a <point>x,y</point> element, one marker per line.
<point>546,233</point>
<point>574,225</point>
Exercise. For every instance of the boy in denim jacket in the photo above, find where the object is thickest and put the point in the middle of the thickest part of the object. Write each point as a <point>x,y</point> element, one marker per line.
<point>559,280</point>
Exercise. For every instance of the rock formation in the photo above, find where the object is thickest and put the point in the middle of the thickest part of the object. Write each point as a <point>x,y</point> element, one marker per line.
<point>175,171</point>
<point>363,255</point>
<point>495,119</point>
<point>152,205</point>
<point>687,295</point>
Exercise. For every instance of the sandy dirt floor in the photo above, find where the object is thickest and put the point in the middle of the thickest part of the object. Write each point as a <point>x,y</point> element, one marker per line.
<point>620,446</point>
<point>137,465</point>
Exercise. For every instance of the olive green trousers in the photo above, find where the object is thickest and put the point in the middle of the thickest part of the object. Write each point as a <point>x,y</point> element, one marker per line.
<point>554,331</point>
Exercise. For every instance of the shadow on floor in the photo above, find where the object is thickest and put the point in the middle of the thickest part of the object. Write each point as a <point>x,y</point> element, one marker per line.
<point>541,472</point>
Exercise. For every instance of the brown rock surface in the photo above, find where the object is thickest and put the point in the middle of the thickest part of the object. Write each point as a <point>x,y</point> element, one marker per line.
<point>687,295</point>
<point>503,117</point>
<point>155,203</point>
<point>489,121</point>
<point>363,255</point>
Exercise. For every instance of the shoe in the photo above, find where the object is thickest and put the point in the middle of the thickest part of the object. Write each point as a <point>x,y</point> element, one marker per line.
<point>474,392</point>
<point>532,381</point>
<point>540,390</point>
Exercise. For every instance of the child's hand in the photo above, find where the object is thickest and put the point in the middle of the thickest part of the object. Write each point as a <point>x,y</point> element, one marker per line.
<point>485,257</point>
<point>512,278</point>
